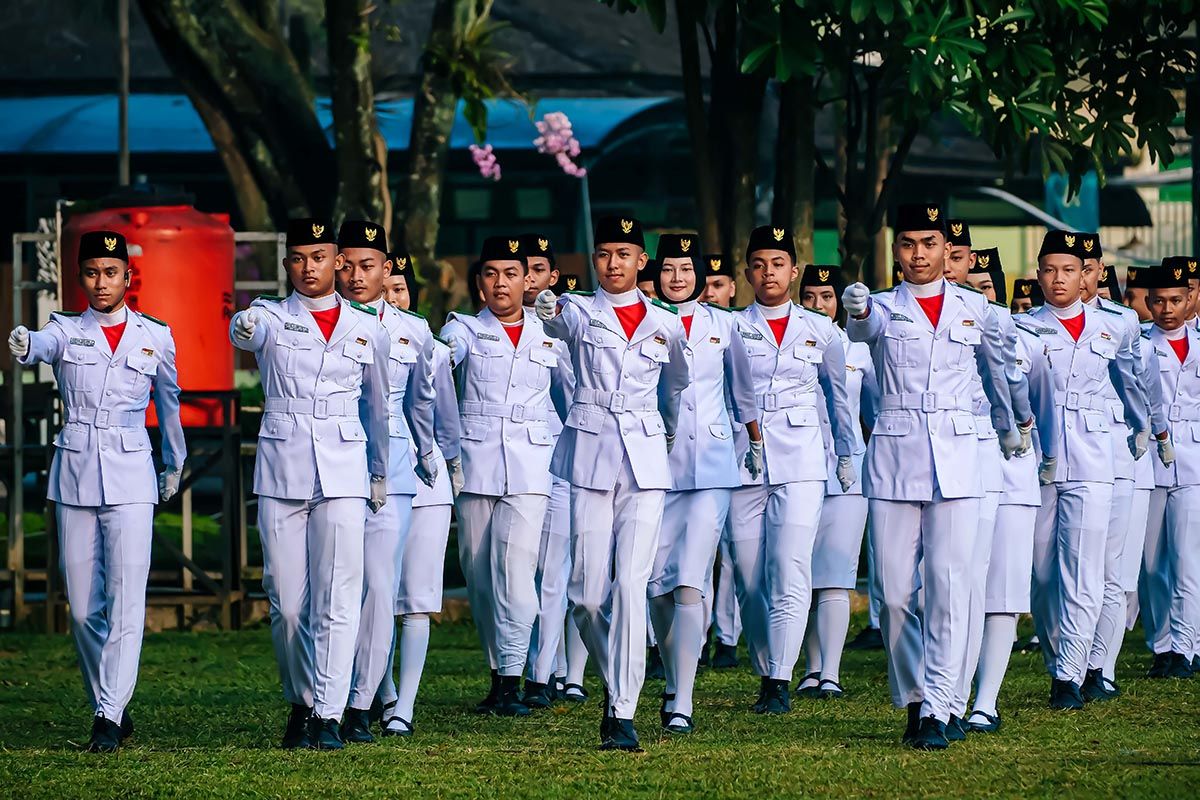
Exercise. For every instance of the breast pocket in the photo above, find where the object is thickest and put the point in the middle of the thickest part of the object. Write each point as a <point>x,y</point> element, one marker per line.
<point>141,369</point>
<point>1100,354</point>
<point>900,347</point>
<point>276,426</point>
<point>293,351</point>
<point>537,369</point>
<point>78,368</point>
<point>961,353</point>
<point>400,362</point>
<point>602,351</point>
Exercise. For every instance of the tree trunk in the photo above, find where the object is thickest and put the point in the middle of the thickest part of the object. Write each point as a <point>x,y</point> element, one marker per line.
<point>702,152</point>
<point>795,165</point>
<point>361,166</point>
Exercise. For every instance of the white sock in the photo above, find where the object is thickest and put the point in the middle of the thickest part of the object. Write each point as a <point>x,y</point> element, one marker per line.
<point>662,622</point>
<point>833,620</point>
<point>577,654</point>
<point>686,642</point>
<point>414,644</point>
<point>998,633</point>
<point>812,643</point>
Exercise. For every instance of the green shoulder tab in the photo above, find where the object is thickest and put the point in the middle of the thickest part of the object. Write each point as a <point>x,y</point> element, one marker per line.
<point>666,306</point>
<point>363,308</point>
<point>152,319</point>
<point>968,287</point>
<point>437,338</point>
<point>1109,310</point>
<point>881,291</point>
<point>67,313</point>
<point>1118,303</point>
<point>274,298</point>
<point>1000,305</point>
<point>581,293</point>
<point>1145,334</point>
<point>1031,331</point>
<point>411,313</point>
<point>716,307</point>
<point>815,311</point>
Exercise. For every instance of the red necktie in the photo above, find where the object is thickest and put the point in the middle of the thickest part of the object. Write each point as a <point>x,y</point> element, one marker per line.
<point>327,320</point>
<point>630,317</point>
<point>1074,326</point>
<point>1180,346</point>
<point>687,324</point>
<point>932,306</point>
<point>779,327</point>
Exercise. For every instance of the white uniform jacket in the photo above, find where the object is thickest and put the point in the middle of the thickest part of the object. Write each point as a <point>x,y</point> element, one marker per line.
<point>925,435</point>
<point>102,455</point>
<point>326,409</point>
<point>446,428</point>
<point>862,390</point>
<point>1021,487</point>
<point>410,395</point>
<point>704,455</point>
<point>1131,343</point>
<point>504,402</point>
<point>1083,370</point>
<point>626,392</point>
<point>1181,400</point>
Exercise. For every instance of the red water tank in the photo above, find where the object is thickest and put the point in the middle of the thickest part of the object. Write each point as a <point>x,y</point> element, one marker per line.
<point>183,276</point>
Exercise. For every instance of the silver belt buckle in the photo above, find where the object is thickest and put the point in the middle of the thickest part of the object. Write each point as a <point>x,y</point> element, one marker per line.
<point>1072,403</point>
<point>517,414</point>
<point>617,402</point>
<point>102,418</point>
<point>321,408</point>
<point>770,401</point>
<point>1176,413</point>
<point>929,402</point>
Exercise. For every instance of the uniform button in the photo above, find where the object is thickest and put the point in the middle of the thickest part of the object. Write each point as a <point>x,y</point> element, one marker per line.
<point>103,447</point>
<point>691,407</point>
<point>691,436</point>
<point>935,369</point>
<point>109,392</point>
<point>317,437</point>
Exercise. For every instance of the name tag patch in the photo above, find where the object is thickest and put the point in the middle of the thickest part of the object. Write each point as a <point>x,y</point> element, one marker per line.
<point>898,317</point>
<point>83,342</point>
<point>489,337</point>
<point>361,341</point>
<point>595,323</point>
<point>402,340</point>
<point>810,342</point>
<point>968,323</point>
<point>659,340</point>
<point>751,335</point>
<point>292,326</point>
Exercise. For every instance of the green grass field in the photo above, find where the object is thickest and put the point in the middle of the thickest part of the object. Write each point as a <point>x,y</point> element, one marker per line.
<point>209,715</point>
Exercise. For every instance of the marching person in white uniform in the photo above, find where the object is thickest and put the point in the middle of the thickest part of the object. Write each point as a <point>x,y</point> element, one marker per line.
<point>796,358</point>
<point>704,471</point>
<point>1087,358</point>
<point>365,265</point>
<point>506,364</point>
<point>844,513</point>
<point>931,341</point>
<point>630,368</point>
<point>107,361</point>
<point>322,461</point>
<point>1173,534</point>
<point>1009,562</point>
<point>547,648</point>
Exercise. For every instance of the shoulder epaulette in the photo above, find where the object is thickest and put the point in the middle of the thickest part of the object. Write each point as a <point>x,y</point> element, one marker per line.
<point>881,291</point>
<point>437,338</point>
<point>1031,331</point>
<point>1117,303</point>
<point>1109,310</point>
<point>993,302</point>
<point>152,319</point>
<point>665,306</point>
<point>274,298</point>
<point>360,307</point>
<point>67,313</point>
<point>716,307</point>
<point>1145,333</point>
<point>815,311</point>
<point>968,287</point>
<point>411,313</point>
<point>581,293</point>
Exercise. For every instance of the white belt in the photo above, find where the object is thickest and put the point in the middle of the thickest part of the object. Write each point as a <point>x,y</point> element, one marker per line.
<point>320,408</point>
<point>1074,401</point>
<point>1178,413</point>
<point>775,401</point>
<point>613,401</point>
<point>103,418</point>
<point>928,402</point>
<point>515,412</point>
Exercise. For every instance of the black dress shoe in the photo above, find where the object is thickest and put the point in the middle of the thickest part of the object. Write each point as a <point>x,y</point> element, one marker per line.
<point>537,695</point>
<point>654,665</point>
<point>1065,696</point>
<point>1178,666</point>
<point>983,722</point>
<point>621,736</point>
<point>779,698</point>
<point>830,690</point>
<point>394,725</point>
<point>931,735</point>
<point>913,726</point>
<point>375,714</point>
<point>678,723</point>
<point>1094,689</point>
<point>1196,663</point>
<point>764,687</point>
<point>954,730</point>
<point>704,651</point>
<point>106,736</point>
<point>356,726</point>
<point>126,726</point>
<point>295,735</point>
<point>809,686</point>
<point>663,714</point>
<point>725,656</point>
<point>487,704</point>
<point>325,734</point>
<point>508,698</point>
<point>574,693</point>
<point>1158,669</point>
<point>867,639</point>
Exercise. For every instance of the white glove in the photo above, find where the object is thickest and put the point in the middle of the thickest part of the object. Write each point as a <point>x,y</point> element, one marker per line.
<point>545,305</point>
<point>1011,443</point>
<point>427,469</point>
<point>846,475</point>
<point>670,441</point>
<point>457,479</point>
<point>378,493</point>
<point>1139,443</point>
<point>1047,470</point>
<point>1026,431</point>
<point>168,484</point>
<point>754,459</point>
<point>245,323</point>
<point>855,299</point>
<point>1166,451</point>
<point>18,341</point>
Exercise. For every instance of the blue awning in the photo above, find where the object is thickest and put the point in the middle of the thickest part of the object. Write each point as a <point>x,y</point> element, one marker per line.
<point>167,123</point>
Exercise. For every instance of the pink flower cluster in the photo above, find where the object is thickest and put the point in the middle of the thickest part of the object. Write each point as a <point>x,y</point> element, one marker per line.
<point>558,140</point>
<point>485,159</point>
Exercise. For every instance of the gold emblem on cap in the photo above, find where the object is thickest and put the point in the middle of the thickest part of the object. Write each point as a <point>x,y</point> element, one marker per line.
<point>1104,275</point>
<point>1088,244</point>
<point>1070,240</point>
<point>956,228</point>
<point>822,274</point>
<point>714,264</point>
<point>401,263</point>
<point>1131,273</point>
<point>932,212</point>
<point>513,245</point>
<point>778,234</point>
<point>317,230</point>
<point>572,283</point>
<point>626,226</point>
<point>543,245</point>
<point>984,261</point>
<point>110,243</point>
<point>1026,289</point>
<point>1178,274</point>
<point>370,233</point>
<point>685,244</point>
<point>1192,265</point>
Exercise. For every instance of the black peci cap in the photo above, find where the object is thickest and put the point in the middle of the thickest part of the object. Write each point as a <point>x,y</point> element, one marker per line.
<point>1173,274</point>
<point>307,231</point>
<point>958,232</point>
<point>1108,279</point>
<point>102,244</point>
<point>364,234</point>
<point>619,230</point>
<point>1089,244</point>
<point>537,245</point>
<point>1062,243</point>
<point>718,264</point>
<point>987,262</point>
<point>567,283</point>
<point>678,245</point>
<point>897,274</point>
<point>1028,289</point>
<point>919,217</point>
<point>501,248</point>
<point>821,275</point>
<point>770,237</point>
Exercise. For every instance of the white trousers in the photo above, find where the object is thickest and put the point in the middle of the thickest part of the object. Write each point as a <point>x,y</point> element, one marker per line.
<point>922,546</point>
<point>774,529</point>
<point>553,572</point>
<point>614,536</point>
<point>1011,562</point>
<point>313,576</point>
<point>839,541</point>
<point>1175,554</point>
<point>1135,539</point>
<point>1069,543</point>
<point>1112,609</point>
<point>727,618</point>
<point>104,552</point>
<point>693,521</point>
<point>422,565</point>
<point>874,602</point>
<point>502,537</point>
<point>383,541</point>
<point>981,556</point>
